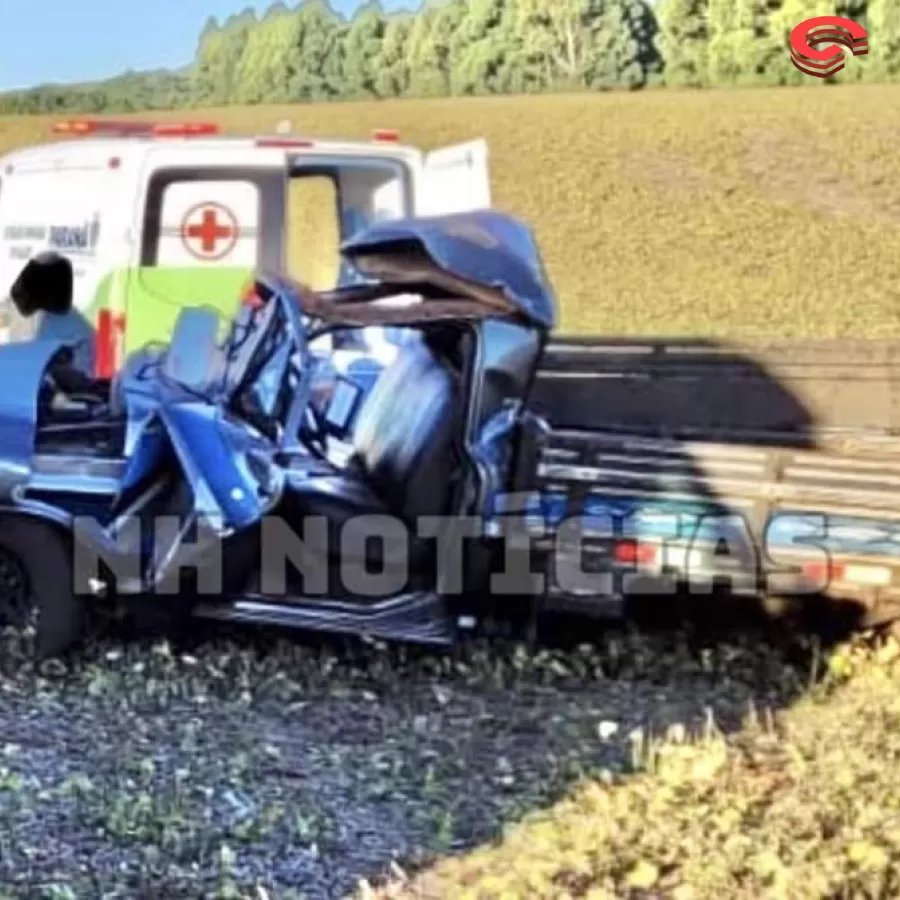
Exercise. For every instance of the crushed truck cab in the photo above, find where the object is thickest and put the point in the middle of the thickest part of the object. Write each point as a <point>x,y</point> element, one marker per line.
<point>156,216</point>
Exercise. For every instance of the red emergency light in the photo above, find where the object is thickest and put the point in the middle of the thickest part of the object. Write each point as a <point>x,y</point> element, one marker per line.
<point>387,135</point>
<point>122,128</point>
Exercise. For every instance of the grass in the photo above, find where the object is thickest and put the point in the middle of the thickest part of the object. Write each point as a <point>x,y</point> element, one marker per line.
<point>805,806</point>
<point>636,766</point>
<point>250,766</point>
<point>733,213</point>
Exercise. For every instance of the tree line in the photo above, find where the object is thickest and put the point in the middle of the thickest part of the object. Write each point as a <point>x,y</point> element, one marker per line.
<point>468,47</point>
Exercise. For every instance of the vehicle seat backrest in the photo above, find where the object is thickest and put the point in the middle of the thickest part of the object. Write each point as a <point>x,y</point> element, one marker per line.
<point>194,358</point>
<point>404,436</point>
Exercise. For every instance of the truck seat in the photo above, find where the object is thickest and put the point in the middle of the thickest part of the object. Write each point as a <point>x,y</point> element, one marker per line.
<point>403,454</point>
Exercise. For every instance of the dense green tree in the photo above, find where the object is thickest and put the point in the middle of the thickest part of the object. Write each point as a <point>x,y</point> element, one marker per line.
<point>621,51</point>
<point>860,68</point>
<point>733,42</point>
<point>391,64</point>
<point>771,61</point>
<point>361,50</point>
<point>263,72</point>
<point>477,51</point>
<point>432,41</point>
<point>583,43</point>
<point>218,54</point>
<point>883,20</point>
<point>308,52</point>
<point>518,71</point>
<point>557,37</point>
<point>782,21</point>
<point>314,64</point>
<point>683,41</point>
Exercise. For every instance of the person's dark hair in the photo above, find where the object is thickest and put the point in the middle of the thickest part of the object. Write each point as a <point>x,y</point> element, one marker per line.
<point>46,283</point>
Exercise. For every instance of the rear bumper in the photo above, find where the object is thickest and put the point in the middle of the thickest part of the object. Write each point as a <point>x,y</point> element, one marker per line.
<point>597,581</point>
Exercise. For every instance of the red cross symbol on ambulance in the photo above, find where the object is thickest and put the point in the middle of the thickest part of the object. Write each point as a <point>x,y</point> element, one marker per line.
<point>209,231</point>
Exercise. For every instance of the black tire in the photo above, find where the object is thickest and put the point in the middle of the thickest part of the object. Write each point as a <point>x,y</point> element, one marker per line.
<point>37,584</point>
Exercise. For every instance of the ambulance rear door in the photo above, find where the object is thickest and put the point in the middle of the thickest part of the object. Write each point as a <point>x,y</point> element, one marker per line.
<point>454,179</point>
<point>212,214</point>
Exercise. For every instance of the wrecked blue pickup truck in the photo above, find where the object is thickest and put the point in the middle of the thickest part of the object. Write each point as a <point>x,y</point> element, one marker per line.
<point>222,471</point>
<point>490,466</point>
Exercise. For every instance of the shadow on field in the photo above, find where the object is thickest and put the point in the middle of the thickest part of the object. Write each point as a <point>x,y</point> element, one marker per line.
<point>399,754</point>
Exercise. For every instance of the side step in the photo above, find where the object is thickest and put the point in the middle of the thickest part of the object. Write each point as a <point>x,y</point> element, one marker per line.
<point>419,617</point>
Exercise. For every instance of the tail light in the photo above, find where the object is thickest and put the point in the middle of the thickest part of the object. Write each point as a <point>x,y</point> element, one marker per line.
<point>110,343</point>
<point>849,573</point>
<point>824,572</point>
<point>631,552</point>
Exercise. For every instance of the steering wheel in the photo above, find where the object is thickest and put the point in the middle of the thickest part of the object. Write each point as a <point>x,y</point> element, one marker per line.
<point>256,337</point>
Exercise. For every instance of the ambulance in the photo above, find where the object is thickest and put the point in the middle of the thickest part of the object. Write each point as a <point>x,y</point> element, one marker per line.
<point>155,216</point>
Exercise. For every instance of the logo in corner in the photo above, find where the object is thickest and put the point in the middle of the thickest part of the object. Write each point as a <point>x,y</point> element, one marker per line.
<point>833,30</point>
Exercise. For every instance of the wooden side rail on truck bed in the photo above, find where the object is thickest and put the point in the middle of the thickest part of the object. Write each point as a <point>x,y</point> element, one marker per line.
<point>797,442</point>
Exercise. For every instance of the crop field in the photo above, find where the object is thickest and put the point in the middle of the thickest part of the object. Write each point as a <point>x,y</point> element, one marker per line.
<point>757,212</point>
<point>696,764</point>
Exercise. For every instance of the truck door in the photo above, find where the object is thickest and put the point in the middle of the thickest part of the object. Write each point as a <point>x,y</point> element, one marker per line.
<point>203,229</point>
<point>454,179</point>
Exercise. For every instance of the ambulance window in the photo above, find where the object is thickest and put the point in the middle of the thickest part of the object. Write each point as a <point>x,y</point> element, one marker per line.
<point>312,250</point>
<point>212,217</point>
<point>372,193</point>
<point>329,202</point>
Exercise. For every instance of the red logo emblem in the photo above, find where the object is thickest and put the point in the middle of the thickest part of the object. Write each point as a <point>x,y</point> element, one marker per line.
<point>809,59</point>
<point>209,231</point>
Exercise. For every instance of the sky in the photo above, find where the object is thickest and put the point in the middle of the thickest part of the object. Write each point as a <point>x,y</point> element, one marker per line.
<point>88,40</point>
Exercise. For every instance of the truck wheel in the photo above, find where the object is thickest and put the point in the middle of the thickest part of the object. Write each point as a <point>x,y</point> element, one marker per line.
<point>37,585</point>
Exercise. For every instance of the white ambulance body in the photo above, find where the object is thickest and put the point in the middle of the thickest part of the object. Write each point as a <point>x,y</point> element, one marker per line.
<point>119,195</point>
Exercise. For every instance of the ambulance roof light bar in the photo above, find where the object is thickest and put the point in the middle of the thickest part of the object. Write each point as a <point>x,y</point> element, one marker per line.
<point>285,139</point>
<point>122,128</point>
<point>284,143</point>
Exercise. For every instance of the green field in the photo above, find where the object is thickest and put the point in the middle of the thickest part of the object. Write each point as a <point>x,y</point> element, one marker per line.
<point>748,212</point>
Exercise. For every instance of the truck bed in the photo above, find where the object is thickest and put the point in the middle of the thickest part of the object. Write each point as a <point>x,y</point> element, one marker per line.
<point>791,387</point>
<point>661,449</point>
